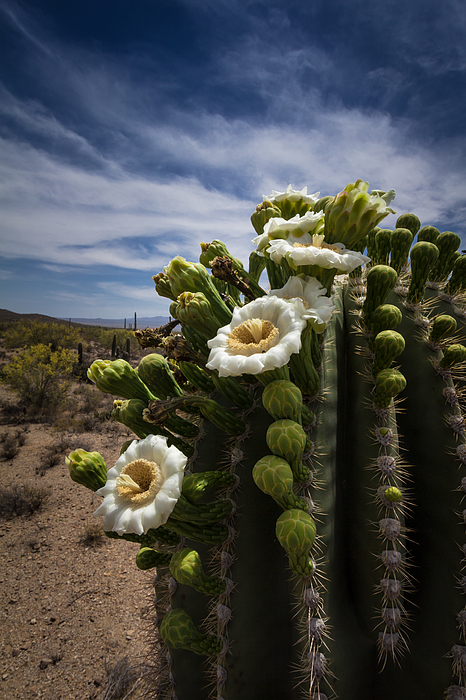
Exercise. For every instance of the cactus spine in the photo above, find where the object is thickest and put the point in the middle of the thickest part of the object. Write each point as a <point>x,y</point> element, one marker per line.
<point>316,545</point>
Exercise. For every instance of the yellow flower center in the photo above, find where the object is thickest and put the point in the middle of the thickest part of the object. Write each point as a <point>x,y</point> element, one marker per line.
<point>140,481</point>
<point>318,242</point>
<point>252,336</point>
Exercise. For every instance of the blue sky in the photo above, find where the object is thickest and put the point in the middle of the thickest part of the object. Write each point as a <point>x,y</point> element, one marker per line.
<point>132,131</point>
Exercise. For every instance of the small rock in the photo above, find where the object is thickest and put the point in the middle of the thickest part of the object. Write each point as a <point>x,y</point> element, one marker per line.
<point>33,621</point>
<point>43,663</point>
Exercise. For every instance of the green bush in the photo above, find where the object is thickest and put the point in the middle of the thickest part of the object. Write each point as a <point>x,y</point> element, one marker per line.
<point>28,333</point>
<point>40,375</point>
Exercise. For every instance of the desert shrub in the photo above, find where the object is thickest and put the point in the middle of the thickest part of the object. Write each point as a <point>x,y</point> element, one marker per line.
<point>10,444</point>
<point>92,535</point>
<point>123,680</point>
<point>21,500</point>
<point>28,333</point>
<point>40,375</point>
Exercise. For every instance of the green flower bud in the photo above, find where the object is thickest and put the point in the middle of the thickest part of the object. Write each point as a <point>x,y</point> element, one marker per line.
<point>322,203</point>
<point>87,468</point>
<point>354,212</point>
<point>162,286</point>
<point>118,378</point>
<point>380,281</point>
<point>428,233</point>
<point>274,477</point>
<point>193,277</point>
<point>388,383</point>
<point>447,244</point>
<point>453,355</point>
<point>410,222</point>
<point>371,243</point>
<point>424,255</point>
<point>156,374</point>
<point>186,568</point>
<point>178,632</point>
<point>147,558</point>
<point>387,345</point>
<point>283,399</point>
<point>383,246</point>
<point>263,213</point>
<point>287,439</point>
<point>256,265</point>
<point>457,282</point>
<point>442,326</point>
<point>233,390</point>
<point>296,532</point>
<point>386,317</point>
<point>194,309</point>
<point>400,243</point>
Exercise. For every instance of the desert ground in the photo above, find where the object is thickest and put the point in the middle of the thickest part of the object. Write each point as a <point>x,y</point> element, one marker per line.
<point>75,610</point>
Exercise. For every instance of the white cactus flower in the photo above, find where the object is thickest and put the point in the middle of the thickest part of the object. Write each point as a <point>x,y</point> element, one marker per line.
<point>293,195</point>
<point>262,336</point>
<point>315,252</point>
<point>143,487</point>
<point>298,228</point>
<point>309,297</point>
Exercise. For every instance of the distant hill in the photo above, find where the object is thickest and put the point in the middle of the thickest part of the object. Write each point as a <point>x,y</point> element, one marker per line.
<point>142,322</point>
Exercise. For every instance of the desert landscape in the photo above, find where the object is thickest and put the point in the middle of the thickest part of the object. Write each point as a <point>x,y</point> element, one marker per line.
<point>75,609</point>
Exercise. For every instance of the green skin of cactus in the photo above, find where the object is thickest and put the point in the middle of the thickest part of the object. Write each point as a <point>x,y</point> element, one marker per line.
<point>210,409</point>
<point>424,255</point>
<point>197,340</point>
<point>428,233</point>
<point>447,244</point>
<point>198,377</point>
<point>302,366</point>
<point>130,413</point>
<point>233,390</point>
<point>383,246</point>
<point>118,378</point>
<point>195,486</point>
<point>274,477</point>
<point>87,468</point>
<point>442,326</point>
<point>453,355</point>
<point>380,281</point>
<point>264,631</point>
<point>457,282</point>
<point>264,213</point>
<point>296,532</point>
<point>410,222</point>
<point>400,243</point>
<point>387,345</point>
<point>360,247</point>
<point>178,632</point>
<point>201,514</point>
<point>388,383</point>
<point>161,535</point>
<point>283,399</point>
<point>156,374</point>
<point>286,438</point>
<point>147,558</point>
<point>186,567</point>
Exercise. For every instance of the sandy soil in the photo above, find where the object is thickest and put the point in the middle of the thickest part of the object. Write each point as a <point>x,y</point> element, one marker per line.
<point>71,608</point>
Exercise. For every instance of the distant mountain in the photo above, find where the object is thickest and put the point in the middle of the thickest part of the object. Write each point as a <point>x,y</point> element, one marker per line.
<point>142,321</point>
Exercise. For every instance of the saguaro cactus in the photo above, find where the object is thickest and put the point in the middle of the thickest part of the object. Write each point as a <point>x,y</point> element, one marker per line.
<point>304,514</point>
